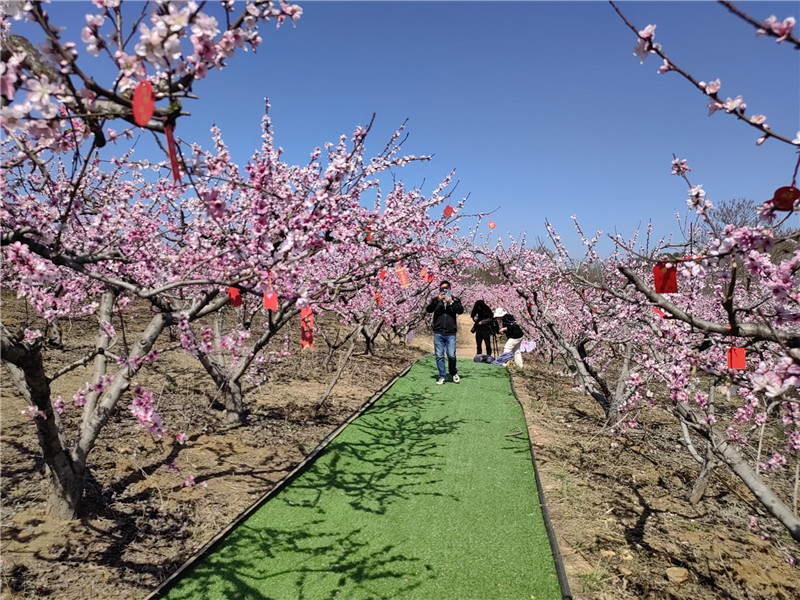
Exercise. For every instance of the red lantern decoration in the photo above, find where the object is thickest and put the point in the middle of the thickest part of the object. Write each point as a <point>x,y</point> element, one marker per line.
<point>144,103</point>
<point>665,276</point>
<point>736,358</point>
<point>235,296</point>
<point>306,328</point>
<point>785,197</point>
<point>448,211</point>
<point>403,275</point>
<point>492,225</point>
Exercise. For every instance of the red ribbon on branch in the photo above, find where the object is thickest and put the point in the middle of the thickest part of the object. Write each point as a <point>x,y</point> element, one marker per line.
<point>169,129</point>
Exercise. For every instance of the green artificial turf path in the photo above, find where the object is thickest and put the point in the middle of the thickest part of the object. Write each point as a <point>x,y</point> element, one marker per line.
<point>430,494</point>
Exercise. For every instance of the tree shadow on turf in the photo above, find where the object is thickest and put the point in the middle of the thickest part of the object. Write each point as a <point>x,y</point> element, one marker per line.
<point>285,550</point>
<point>304,561</point>
<point>389,454</point>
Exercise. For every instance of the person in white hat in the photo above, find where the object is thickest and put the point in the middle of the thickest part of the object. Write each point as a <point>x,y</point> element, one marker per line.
<point>509,326</point>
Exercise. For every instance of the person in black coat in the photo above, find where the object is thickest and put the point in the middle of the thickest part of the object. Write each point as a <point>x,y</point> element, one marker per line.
<point>485,325</point>
<point>445,307</point>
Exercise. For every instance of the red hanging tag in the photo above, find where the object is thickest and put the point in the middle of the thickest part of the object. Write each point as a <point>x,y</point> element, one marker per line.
<point>403,275</point>
<point>383,274</point>
<point>455,261</point>
<point>431,278</point>
<point>235,296</point>
<point>173,154</point>
<point>424,274</point>
<point>270,300</point>
<point>306,328</point>
<point>784,197</point>
<point>448,211</point>
<point>144,103</point>
<point>378,297</point>
<point>492,224</point>
<point>369,232</point>
<point>736,358</point>
<point>665,276</point>
<point>659,312</point>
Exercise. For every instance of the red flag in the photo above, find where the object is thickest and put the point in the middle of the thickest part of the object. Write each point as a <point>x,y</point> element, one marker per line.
<point>144,103</point>
<point>306,328</point>
<point>665,278</point>
<point>235,296</point>
<point>736,358</point>
<point>403,275</point>
<point>173,154</point>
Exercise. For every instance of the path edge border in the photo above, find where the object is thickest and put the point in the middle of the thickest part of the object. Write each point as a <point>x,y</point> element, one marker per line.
<point>561,574</point>
<point>210,545</point>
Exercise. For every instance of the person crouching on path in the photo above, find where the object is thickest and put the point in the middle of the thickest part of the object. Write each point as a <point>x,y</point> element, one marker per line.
<point>485,325</point>
<point>445,307</point>
<point>509,326</point>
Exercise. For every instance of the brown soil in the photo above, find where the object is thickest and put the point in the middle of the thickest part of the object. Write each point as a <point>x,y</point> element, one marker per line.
<point>617,504</point>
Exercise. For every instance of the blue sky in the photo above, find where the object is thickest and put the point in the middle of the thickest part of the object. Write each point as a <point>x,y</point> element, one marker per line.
<point>540,107</point>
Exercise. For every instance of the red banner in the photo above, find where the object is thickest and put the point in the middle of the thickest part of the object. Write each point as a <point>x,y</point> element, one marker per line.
<point>173,154</point>
<point>270,300</point>
<point>144,103</point>
<point>665,276</point>
<point>235,296</point>
<point>307,328</point>
<point>403,275</point>
<point>736,358</point>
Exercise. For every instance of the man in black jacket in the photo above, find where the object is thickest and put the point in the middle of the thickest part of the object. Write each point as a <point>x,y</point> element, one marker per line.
<point>445,307</point>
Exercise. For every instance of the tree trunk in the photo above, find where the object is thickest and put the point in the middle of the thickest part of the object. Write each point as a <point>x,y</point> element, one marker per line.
<point>339,371</point>
<point>64,475</point>
<point>232,395</point>
<point>727,452</point>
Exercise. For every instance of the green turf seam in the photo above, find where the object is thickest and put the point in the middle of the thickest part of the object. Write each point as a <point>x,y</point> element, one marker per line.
<point>551,534</point>
<point>298,470</point>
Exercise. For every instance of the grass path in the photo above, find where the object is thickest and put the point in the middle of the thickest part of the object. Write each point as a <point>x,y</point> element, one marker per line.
<point>429,494</point>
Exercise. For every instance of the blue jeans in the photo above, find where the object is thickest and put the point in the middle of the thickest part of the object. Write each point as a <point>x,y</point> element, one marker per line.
<point>442,343</point>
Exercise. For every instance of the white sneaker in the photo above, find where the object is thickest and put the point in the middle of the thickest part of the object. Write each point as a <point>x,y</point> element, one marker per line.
<point>440,381</point>
<point>456,378</point>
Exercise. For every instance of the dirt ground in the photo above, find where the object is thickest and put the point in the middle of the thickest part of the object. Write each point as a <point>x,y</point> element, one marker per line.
<point>618,504</point>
